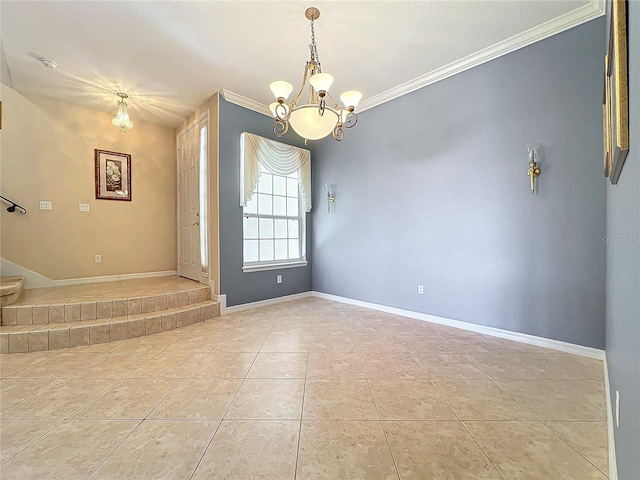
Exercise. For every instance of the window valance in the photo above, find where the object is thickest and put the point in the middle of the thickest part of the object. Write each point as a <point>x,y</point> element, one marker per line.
<point>279,158</point>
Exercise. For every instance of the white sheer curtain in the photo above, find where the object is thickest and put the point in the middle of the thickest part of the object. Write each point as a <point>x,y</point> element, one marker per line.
<point>279,158</point>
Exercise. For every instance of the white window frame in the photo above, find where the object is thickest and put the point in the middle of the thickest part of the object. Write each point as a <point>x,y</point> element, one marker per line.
<point>277,264</point>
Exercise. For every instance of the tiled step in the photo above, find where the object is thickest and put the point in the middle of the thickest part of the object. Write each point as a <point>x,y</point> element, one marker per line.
<point>10,289</point>
<point>53,336</point>
<point>26,313</point>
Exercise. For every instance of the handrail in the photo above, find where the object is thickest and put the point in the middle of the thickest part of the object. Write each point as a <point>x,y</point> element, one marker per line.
<point>13,206</point>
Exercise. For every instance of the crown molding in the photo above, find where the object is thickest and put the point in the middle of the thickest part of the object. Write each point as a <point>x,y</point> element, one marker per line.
<point>594,9</point>
<point>245,102</point>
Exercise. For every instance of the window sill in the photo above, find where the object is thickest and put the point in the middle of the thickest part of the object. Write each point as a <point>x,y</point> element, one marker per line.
<point>273,266</point>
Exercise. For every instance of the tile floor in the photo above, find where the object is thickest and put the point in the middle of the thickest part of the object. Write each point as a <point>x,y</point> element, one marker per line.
<point>310,389</point>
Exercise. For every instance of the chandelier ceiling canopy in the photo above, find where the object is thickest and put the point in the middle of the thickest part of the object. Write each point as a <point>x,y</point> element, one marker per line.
<point>315,119</point>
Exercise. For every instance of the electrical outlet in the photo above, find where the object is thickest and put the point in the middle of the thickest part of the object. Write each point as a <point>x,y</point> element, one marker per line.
<point>617,408</point>
<point>420,289</point>
<point>84,207</point>
<point>45,205</point>
<point>98,258</point>
<point>279,279</point>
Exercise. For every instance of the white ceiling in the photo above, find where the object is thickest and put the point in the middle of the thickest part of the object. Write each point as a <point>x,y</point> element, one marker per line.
<point>171,56</point>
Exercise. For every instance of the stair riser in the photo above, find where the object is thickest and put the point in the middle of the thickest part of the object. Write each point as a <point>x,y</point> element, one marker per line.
<point>75,312</point>
<point>109,330</point>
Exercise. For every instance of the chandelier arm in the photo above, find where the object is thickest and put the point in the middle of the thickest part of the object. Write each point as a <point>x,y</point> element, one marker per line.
<point>338,134</point>
<point>294,102</point>
<point>280,127</point>
<point>335,104</point>
<point>351,120</point>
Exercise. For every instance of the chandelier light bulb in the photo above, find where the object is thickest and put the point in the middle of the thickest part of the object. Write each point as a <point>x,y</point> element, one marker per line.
<point>281,89</point>
<point>321,82</point>
<point>351,98</point>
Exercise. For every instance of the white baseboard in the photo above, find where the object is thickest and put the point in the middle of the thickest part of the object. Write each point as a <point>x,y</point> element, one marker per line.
<point>114,278</point>
<point>222,300</point>
<point>613,466</point>
<point>495,332</point>
<point>262,303</point>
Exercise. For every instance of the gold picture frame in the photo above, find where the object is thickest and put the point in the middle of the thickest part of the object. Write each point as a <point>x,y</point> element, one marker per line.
<point>615,109</point>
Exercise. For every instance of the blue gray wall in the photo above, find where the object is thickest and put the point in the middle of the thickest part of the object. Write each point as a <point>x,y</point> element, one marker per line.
<point>238,286</point>
<point>623,276</point>
<point>431,188</point>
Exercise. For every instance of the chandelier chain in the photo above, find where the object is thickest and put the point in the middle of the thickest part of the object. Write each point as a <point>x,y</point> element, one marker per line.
<point>314,48</point>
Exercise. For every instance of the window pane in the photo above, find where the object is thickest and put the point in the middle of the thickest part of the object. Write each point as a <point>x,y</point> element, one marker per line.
<point>266,250</point>
<point>264,183</point>
<point>264,204</point>
<point>251,250</point>
<point>292,187</point>
<point>292,207</point>
<point>281,249</point>
<point>280,206</point>
<point>279,185</point>
<point>294,228</point>
<point>266,228</point>
<point>281,228</point>
<point>250,227</point>
<point>293,175</point>
<point>252,205</point>
<point>294,249</point>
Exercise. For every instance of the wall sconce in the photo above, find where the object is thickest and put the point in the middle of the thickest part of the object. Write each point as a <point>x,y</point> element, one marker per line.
<point>121,119</point>
<point>534,170</point>
<point>331,197</point>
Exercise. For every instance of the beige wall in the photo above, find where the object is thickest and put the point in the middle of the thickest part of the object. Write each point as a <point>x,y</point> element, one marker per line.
<point>48,154</point>
<point>214,221</point>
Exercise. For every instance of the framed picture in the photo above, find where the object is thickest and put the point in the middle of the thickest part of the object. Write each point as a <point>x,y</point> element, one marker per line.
<point>113,175</point>
<point>616,94</point>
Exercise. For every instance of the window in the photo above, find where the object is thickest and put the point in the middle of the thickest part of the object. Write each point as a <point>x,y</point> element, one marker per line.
<point>274,210</point>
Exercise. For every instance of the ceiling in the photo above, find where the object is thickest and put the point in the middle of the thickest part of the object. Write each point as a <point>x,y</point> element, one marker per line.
<point>171,56</point>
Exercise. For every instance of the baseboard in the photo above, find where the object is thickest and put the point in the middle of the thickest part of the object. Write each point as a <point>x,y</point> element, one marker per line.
<point>222,300</point>
<point>114,278</point>
<point>613,466</point>
<point>495,332</point>
<point>263,303</point>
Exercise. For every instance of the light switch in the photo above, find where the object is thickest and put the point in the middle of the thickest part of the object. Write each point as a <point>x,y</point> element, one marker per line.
<point>45,205</point>
<point>84,207</point>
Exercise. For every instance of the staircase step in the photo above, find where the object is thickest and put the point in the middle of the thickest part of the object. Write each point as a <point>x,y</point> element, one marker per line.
<point>40,312</point>
<point>54,336</point>
<point>11,289</point>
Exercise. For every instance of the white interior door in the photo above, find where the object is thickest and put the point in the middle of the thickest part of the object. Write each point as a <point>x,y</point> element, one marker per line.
<point>189,203</point>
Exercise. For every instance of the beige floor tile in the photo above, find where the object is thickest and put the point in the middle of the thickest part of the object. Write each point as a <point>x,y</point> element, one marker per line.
<point>562,366</point>
<point>438,451</point>
<point>251,449</point>
<point>195,342</point>
<point>130,398</point>
<point>70,451</point>
<point>588,438</point>
<point>509,346</point>
<point>279,365</point>
<point>243,343</point>
<point>339,399</point>
<point>550,400</point>
<point>480,400</point>
<point>424,344</point>
<point>14,390</point>
<point>409,400</point>
<point>373,344</point>
<point>291,328</point>
<point>149,344</point>
<point>159,449</point>
<point>507,366</point>
<point>260,398</point>
<point>198,398</point>
<point>223,365</point>
<point>450,371</point>
<point>529,450</point>
<point>335,365</point>
<point>391,365</point>
<point>59,366</point>
<point>323,343</point>
<point>60,399</point>
<point>15,435</point>
<point>286,343</point>
<point>168,365</point>
<point>103,348</point>
<point>113,366</point>
<point>473,345</point>
<point>344,450</point>
<point>590,390</point>
<point>11,364</point>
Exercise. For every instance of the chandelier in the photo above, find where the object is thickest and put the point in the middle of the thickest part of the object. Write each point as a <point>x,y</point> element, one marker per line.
<point>317,118</point>
<point>121,119</point>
